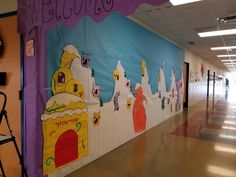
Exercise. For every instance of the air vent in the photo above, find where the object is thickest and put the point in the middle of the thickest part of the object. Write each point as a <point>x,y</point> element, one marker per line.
<point>227,20</point>
<point>191,42</point>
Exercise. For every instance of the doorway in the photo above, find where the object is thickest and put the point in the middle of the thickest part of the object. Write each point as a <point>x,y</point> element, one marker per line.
<point>186,82</point>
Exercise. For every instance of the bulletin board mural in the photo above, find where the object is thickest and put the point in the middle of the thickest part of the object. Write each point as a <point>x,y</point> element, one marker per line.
<point>103,78</point>
<point>87,77</point>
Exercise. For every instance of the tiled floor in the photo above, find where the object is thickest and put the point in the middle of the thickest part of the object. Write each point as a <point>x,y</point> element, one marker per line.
<point>200,142</point>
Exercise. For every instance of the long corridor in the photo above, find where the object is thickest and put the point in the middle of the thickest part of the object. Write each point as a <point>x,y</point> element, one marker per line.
<point>199,142</point>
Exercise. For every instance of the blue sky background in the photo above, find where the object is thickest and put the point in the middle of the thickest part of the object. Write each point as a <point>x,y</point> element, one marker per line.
<point>116,38</point>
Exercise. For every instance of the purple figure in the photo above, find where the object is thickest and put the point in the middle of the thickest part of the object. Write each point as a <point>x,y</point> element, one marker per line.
<point>116,101</point>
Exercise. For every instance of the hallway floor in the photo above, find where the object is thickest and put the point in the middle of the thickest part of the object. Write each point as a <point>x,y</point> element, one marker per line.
<point>199,142</point>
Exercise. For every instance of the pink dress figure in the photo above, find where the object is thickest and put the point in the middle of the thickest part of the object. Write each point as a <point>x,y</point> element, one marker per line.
<point>139,114</point>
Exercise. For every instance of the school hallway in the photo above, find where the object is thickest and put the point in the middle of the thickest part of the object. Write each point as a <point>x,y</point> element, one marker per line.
<point>116,88</point>
<point>199,142</point>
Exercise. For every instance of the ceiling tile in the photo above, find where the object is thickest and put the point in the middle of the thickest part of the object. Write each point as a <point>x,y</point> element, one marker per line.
<point>181,24</point>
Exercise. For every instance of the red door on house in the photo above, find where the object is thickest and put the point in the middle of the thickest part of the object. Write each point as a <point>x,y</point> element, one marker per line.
<point>66,149</point>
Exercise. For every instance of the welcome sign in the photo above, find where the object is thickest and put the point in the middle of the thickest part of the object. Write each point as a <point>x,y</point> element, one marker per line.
<point>47,13</point>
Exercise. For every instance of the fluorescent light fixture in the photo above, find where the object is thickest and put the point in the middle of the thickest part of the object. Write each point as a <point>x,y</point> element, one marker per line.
<point>228,116</point>
<point>224,149</point>
<point>228,60</point>
<point>223,48</point>
<point>229,128</point>
<point>227,136</point>
<point>220,171</point>
<point>180,2</point>
<point>229,63</point>
<point>229,122</point>
<point>230,55</point>
<point>217,33</point>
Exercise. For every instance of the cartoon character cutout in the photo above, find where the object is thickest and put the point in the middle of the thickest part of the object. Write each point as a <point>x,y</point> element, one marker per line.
<point>116,101</point>
<point>128,103</point>
<point>75,87</point>
<point>139,113</point>
<point>85,61</point>
<point>163,105</point>
<point>173,92</point>
<point>96,118</point>
<point>96,90</point>
<point>116,75</point>
<point>179,102</point>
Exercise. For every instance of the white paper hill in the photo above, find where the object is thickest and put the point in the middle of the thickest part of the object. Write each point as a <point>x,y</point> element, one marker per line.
<point>84,75</point>
<point>161,83</point>
<point>121,84</point>
<point>145,84</point>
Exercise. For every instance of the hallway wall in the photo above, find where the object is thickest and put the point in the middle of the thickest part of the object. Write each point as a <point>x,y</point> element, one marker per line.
<point>10,63</point>
<point>198,68</point>
<point>139,75</point>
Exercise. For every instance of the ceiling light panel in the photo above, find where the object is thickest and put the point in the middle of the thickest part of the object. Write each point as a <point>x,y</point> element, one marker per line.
<point>223,48</point>
<point>181,2</point>
<point>228,60</point>
<point>229,63</point>
<point>230,55</point>
<point>217,33</point>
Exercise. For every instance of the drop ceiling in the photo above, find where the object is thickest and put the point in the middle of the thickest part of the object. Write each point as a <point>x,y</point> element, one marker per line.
<point>182,23</point>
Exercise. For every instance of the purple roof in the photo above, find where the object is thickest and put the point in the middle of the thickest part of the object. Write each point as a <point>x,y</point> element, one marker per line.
<point>46,14</point>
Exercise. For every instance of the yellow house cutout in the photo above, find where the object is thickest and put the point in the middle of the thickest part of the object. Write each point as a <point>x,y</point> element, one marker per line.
<point>65,131</point>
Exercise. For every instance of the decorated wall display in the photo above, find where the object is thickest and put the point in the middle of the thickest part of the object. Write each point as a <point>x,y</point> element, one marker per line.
<point>105,90</point>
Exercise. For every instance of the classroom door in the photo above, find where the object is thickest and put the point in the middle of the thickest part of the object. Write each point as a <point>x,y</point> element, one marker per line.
<point>186,82</point>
